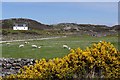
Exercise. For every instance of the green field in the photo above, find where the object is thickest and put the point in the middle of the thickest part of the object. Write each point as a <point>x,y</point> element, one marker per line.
<point>53,47</point>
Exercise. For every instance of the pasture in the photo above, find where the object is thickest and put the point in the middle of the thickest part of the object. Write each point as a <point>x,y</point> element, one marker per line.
<point>52,48</point>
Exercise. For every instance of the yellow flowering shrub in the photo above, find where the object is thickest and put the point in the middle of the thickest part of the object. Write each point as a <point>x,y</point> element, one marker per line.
<point>101,60</point>
<point>0,78</point>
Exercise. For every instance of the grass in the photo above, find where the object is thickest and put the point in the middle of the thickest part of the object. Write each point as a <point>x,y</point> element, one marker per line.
<point>53,47</point>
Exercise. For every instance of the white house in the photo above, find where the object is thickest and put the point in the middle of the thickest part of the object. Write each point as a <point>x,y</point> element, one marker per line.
<point>21,26</point>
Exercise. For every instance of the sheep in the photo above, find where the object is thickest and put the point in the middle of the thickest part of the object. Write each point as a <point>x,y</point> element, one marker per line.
<point>26,42</point>
<point>100,41</point>
<point>69,48</point>
<point>39,47</point>
<point>34,46</point>
<point>21,45</point>
<point>65,46</point>
<point>8,43</point>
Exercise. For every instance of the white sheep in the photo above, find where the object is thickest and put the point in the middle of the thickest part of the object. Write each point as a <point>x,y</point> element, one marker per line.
<point>65,46</point>
<point>26,42</point>
<point>21,45</point>
<point>69,48</point>
<point>8,43</point>
<point>100,41</point>
<point>34,46</point>
<point>39,47</point>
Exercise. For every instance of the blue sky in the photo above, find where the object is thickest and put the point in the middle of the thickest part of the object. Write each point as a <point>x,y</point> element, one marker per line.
<point>59,0</point>
<point>58,12</point>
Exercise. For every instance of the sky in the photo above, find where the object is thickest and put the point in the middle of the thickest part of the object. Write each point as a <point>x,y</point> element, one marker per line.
<point>59,0</point>
<point>104,13</point>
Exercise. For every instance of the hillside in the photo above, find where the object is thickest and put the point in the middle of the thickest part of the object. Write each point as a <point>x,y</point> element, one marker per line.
<point>37,29</point>
<point>88,29</point>
<point>8,23</point>
<point>33,24</point>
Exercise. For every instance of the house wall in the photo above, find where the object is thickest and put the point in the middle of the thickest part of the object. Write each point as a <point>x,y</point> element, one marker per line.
<point>19,28</point>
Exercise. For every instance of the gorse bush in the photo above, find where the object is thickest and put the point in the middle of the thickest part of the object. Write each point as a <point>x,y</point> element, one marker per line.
<point>101,60</point>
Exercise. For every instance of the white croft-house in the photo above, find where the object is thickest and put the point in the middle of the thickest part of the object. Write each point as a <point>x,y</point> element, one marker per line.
<point>20,26</point>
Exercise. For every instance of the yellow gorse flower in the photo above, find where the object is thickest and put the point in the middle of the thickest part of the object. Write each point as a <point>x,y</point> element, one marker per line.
<point>103,56</point>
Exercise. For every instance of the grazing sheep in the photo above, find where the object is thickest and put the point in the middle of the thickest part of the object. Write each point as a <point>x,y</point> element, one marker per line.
<point>100,41</point>
<point>21,45</point>
<point>69,48</point>
<point>34,46</point>
<point>8,43</point>
<point>26,42</point>
<point>65,46</point>
<point>39,47</point>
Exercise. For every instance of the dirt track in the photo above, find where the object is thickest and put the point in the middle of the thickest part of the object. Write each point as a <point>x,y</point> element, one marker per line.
<point>33,39</point>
